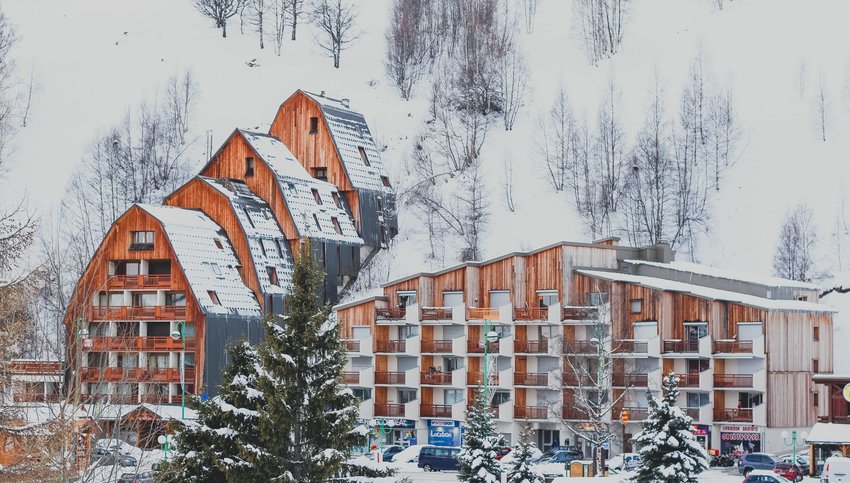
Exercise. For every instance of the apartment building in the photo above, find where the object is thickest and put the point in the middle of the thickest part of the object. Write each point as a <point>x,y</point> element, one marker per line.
<point>744,347</point>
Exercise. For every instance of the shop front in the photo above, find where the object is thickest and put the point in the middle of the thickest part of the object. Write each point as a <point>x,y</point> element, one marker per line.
<point>735,438</point>
<point>826,440</point>
<point>444,432</point>
<point>702,433</point>
<point>387,432</point>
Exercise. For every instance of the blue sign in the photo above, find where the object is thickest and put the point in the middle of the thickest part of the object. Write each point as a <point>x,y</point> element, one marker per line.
<point>444,432</point>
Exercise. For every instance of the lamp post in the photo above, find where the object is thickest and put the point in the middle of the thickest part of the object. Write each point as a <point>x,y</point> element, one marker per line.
<point>489,336</point>
<point>181,336</point>
<point>380,428</point>
<point>793,443</point>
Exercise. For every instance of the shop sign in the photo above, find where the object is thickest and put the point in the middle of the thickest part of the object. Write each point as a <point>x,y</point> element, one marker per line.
<point>700,429</point>
<point>444,432</point>
<point>740,436</point>
<point>735,428</point>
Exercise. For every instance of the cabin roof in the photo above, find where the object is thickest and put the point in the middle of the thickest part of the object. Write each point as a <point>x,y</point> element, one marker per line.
<point>350,132</point>
<point>192,236</point>
<point>696,268</point>
<point>297,187</point>
<point>706,292</point>
<point>266,241</point>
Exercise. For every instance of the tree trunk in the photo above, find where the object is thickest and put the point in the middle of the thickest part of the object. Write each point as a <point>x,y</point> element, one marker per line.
<point>260,14</point>
<point>224,29</point>
<point>294,24</point>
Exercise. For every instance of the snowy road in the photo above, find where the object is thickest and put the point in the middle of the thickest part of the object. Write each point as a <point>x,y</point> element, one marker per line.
<point>727,475</point>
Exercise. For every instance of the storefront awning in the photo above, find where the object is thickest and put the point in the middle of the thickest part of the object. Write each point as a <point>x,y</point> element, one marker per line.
<point>829,433</point>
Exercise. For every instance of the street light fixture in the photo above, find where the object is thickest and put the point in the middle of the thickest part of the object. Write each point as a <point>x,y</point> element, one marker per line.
<point>382,426</point>
<point>793,443</point>
<point>181,336</point>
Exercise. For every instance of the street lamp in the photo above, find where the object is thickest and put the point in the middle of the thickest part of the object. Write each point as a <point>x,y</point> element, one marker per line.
<point>489,336</point>
<point>793,443</point>
<point>181,336</point>
<point>381,427</point>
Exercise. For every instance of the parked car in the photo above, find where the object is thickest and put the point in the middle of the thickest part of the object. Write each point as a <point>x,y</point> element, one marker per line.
<point>836,470</point>
<point>438,458</point>
<point>756,461</point>
<point>788,470</point>
<point>563,456</point>
<point>802,461</point>
<point>502,452</point>
<point>764,476</point>
<point>390,452</point>
<point>123,460</point>
<point>623,462</point>
<point>143,477</point>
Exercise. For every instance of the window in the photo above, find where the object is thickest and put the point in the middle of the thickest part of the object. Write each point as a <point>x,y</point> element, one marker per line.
<point>385,181</point>
<point>406,395</point>
<point>803,298</point>
<point>248,217</point>
<point>595,299</point>
<point>314,125</point>
<point>406,299</point>
<point>316,196</point>
<point>279,248</point>
<point>636,306</point>
<point>177,299</point>
<point>320,173</point>
<point>697,399</point>
<point>363,155</point>
<point>144,299</point>
<point>262,246</point>
<point>249,166</point>
<point>218,244</point>
<point>112,299</point>
<point>501,397</point>
<point>452,363</point>
<point>216,269</point>
<point>316,219</point>
<point>815,366</point>
<point>159,267</point>
<point>452,299</point>
<point>815,399</point>
<point>362,393</point>
<point>453,396</point>
<point>336,225</point>
<point>213,297</point>
<point>816,333</point>
<point>545,298</point>
<point>337,200</point>
<point>127,268</point>
<point>272,275</point>
<point>141,240</point>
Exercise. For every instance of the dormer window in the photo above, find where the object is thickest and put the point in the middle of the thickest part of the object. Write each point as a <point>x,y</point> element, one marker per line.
<point>316,219</point>
<point>337,200</point>
<point>363,155</point>
<point>141,240</point>
<point>336,225</point>
<point>218,244</point>
<point>314,125</point>
<point>320,173</point>
<point>385,181</point>
<point>214,297</point>
<point>316,196</point>
<point>249,166</point>
<point>272,275</point>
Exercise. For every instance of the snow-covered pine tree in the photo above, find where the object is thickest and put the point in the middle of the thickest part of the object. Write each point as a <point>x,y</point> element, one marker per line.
<point>309,418</point>
<point>668,450</point>
<point>223,444</point>
<point>477,461</point>
<point>521,470</point>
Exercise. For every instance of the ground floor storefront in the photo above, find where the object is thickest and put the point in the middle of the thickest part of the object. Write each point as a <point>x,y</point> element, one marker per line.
<point>825,440</point>
<point>737,438</point>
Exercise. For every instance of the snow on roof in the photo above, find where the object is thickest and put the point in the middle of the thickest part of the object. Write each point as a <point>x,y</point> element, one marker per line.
<point>831,377</point>
<point>118,411</point>
<point>207,267</point>
<point>709,293</point>
<point>350,132</point>
<point>727,274</point>
<point>313,204</point>
<point>267,243</point>
<point>829,433</point>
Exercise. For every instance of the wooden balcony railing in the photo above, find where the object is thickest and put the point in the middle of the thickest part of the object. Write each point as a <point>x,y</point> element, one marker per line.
<point>635,413</point>
<point>35,367</point>
<point>531,313</point>
<point>733,347</point>
<point>743,415</point>
<point>688,380</point>
<point>36,397</point>
<point>531,346</point>
<point>136,374</point>
<point>531,379</point>
<point>733,380</point>
<point>580,347</point>
<point>681,346</point>
<point>570,411</point>
<point>630,380</point>
<point>531,412</point>
<point>139,281</point>
<point>390,346</point>
<point>482,313</point>
<point>435,410</point>
<point>351,378</point>
<point>571,379</point>
<point>162,398</point>
<point>117,398</point>
<point>580,313</point>
<point>693,413</point>
<point>435,378</point>
<point>158,312</point>
<point>436,346</point>
<point>477,378</point>
<point>149,344</point>
<point>390,313</point>
<point>436,313</point>
<point>630,347</point>
<point>477,347</point>
<point>494,410</point>
<point>389,410</point>
<point>351,345</point>
<point>389,378</point>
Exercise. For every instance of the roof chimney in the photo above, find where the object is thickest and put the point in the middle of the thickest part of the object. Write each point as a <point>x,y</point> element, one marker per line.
<point>322,94</point>
<point>611,240</point>
<point>345,102</point>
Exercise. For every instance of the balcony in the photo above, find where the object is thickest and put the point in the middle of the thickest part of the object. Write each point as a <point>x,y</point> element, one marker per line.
<point>573,347</point>
<point>389,410</point>
<point>575,314</point>
<point>436,346</point>
<point>676,346</point>
<point>743,415</point>
<point>531,412</point>
<point>630,346</point>
<point>483,313</point>
<point>689,381</point>
<point>394,378</point>
<point>635,413</point>
<point>135,344</point>
<point>531,313</point>
<point>573,413</point>
<point>162,398</point>
<point>531,346</point>
<point>732,346</point>
<point>733,381</point>
<point>138,281</point>
<point>435,378</point>
<point>693,413</point>
<point>351,378</point>
<point>22,367</point>
<point>477,347</point>
<point>351,345</point>
<point>390,313</point>
<point>477,378</point>
<point>571,379</point>
<point>436,313</point>
<point>630,380</point>
<point>435,410</point>
<point>36,397</point>
<point>136,374</point>
<point>123,398</point>
<point>158,312</point>
<point>390,346</point>
<point>531,379</point>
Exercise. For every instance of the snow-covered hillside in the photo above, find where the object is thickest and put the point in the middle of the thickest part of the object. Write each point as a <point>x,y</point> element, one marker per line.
<point>92,60</point>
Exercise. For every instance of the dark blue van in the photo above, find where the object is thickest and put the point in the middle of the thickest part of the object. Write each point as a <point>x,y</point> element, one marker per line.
<point>438,458</point>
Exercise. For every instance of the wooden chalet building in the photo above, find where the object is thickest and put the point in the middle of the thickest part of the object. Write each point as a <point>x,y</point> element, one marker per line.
<point>744,347</point>
<point>831,435</point>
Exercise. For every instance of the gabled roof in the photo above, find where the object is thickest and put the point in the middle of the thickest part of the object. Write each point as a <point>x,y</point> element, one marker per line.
<point>696,268</point>
<point>349,131</point>
<point>312,220</point>
<point>266,241</point>
<point>706,292</point>
<point>193,236</point>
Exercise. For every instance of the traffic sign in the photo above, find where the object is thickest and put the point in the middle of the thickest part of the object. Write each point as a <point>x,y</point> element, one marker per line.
<point>624,416</point>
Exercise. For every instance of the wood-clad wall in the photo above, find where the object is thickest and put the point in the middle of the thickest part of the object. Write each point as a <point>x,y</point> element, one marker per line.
<point>498,275</point>
<point>451,281</point>
<point>543,271</point>
<point>391,291</point>
<point>357,316</point>
<point>583,257</point>
<point>789,338</point>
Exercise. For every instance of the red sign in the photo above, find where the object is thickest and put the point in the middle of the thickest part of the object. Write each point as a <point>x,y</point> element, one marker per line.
<point>740,436</point>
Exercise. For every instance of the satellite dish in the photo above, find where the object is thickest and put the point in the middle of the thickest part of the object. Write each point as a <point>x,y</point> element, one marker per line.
<point>161,439</point>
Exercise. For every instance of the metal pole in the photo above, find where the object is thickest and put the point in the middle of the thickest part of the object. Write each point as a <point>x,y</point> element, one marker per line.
<point>794,444</point>
<point>486,360</point>
<point>183,372</point>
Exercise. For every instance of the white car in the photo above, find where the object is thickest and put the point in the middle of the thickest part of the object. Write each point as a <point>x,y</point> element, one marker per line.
<point>764,476</point>
<point>836,470</point>
<point>623,462</point>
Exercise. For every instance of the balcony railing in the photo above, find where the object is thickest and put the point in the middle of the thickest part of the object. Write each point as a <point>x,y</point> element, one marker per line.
<point>570,411</point>
<point>389,410</point>
<point>436,313</point>
<point>630,347</point>
<point>580,347</point>
<point>531,313</point>
<point>150,344</point>
<point>390,313</point>
<point>389,378</point>
<point>35,367</point>
<point>436,346</point>
<point>531,379</point>
<point>390,346</point>
<point>116,398</point>
<point>494,410</point>
<point>477,347</point>
<point>580,313</point>
<point>693,413</point>
<point>681,346</point>
<point>163,398</point>
<point>688,380</point>
<point>733,380</point>
<point>571,379</point>
<point>136,374</point>
<point>531,412</point>
<point>351,378</point>
<point>635,413</point>
<point>743,415</point>
<point>482,313</point>
<point>630,380</point>
<point>139,281</point>
<point>36,397</point>
<point>531,346</point>
<point>477,378</point>
<point>158,312</point>
<point>435,378</point>
<point>435,410</point>
<point>351,345</point>
<point>733,347</point>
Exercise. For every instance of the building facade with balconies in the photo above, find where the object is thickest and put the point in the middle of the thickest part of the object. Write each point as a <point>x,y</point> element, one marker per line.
<point>566,313</point>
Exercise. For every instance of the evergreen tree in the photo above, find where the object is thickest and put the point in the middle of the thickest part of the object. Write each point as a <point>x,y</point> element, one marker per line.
<point>477,461</point>
<point>668,450</point>
<point>223,445</point>
<point>520,469</point>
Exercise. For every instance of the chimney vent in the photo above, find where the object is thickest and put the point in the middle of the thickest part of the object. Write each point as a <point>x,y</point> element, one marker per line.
<point>322,94</point>
<point>345,102</point>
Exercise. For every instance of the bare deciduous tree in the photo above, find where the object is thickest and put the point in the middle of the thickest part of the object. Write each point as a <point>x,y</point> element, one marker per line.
<point>529,10</point>
<point>508,185</point>
<point>822,110</point>
<point>472,199</point>
<point>294,8</point>
<point>406,48</point>
<point>802,77</point>
<point>335,20</point>
<point>557,142</point>
<point>600,26</point>
<point>610,145</point>
<point>219,11</point>
<point>794,257</point>
<point>279,18</point>
<point>257,10</point>
<point>513,75</point>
